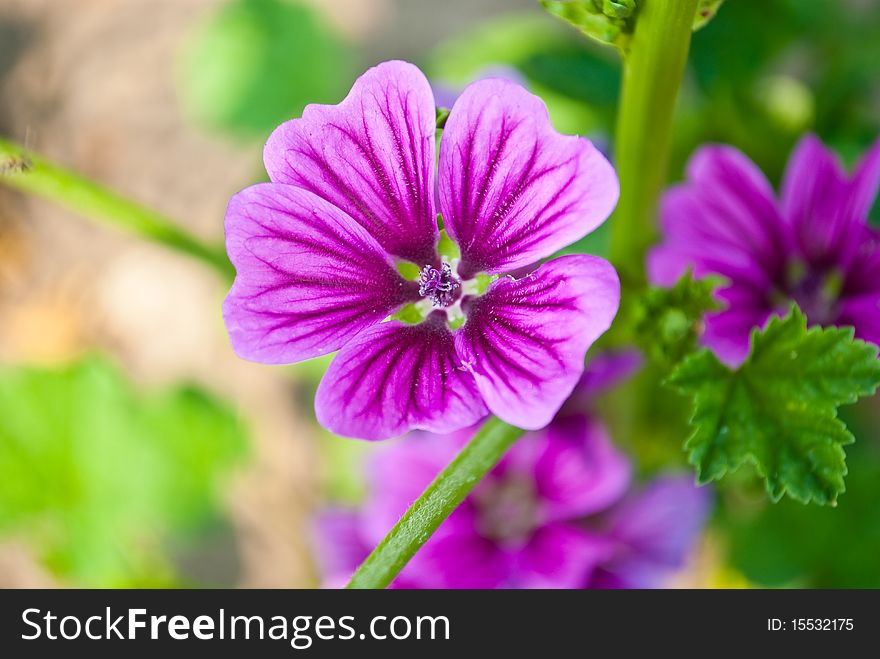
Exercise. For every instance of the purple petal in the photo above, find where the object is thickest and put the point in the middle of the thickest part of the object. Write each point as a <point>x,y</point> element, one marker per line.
<point>664,519</point>
<point>859,301</point>
<point>340,547</point>
<point>627,574</point>
<point>512,189</point>
<point>456,555</point>
<point>394,377</point>
<point>560,556</point>
<point>863,273</point>
<point>605,371</point>
<point>865,181</point>
<point>397,475</point>
<point>308,276</point>
<point>816,203</point>
<point>579,471</point>
<point>525,339</point>
<point>461,559</point>
<point>727,332</point>
<point>694,242</point>
<point>723,220</point>
<point>372,156</point>
<point>657,530</point>
<point>863,313</point>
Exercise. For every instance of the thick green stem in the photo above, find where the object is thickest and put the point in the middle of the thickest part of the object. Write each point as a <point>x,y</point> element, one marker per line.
<point>436,503</point>
<point>653,69</point>
<point>28,172</point>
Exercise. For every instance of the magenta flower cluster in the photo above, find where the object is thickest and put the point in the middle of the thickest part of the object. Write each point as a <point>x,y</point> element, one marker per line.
<point>318,254</point>
<point>559,511</point>
<point>812,245</point>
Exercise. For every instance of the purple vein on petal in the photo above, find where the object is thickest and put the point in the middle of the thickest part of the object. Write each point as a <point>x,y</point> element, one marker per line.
<point>395,377</point>
<point>525,340</point>
<point>309,277</point>
<point>513,190</point>
<point>372,155</point>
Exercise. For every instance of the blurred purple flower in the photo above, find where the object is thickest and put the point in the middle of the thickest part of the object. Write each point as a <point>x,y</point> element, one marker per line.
<point>351,195</point>
<point>813,246</point>
<point>557,512</point>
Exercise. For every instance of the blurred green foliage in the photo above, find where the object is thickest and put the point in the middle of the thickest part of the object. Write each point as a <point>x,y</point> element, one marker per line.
<point>706,10</point>
<point>256,63</point>
<point>787,544</point>
<point>765,72</point>
<point>97,476</point>
<point>576,79</point>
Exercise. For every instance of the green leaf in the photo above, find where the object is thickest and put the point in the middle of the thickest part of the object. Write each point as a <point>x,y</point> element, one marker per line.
<point>613,21</point>
<point>256,63</point>
<point>442,116</point>
<point>706,11</point>
<point>670,320</point>
<point>778,410</point>
<point>98,477</point>
<point>606,21</point>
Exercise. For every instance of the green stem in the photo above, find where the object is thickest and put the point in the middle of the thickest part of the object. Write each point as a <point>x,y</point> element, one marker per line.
<point>30,173</point>
<point>435,504</point>
<point>653,69</point>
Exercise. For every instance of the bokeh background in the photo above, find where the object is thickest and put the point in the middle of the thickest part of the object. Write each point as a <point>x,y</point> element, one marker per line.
<point>137,450</point>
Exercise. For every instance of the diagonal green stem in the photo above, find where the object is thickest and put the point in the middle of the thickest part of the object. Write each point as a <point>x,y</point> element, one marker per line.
<point>435,504</point>
<point>30,173</point>
<point>653,69</point>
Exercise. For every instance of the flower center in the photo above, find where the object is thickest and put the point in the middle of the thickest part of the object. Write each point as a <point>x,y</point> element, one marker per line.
<point>439,286</point>
<point>508,509</point>
<point>816,293</point>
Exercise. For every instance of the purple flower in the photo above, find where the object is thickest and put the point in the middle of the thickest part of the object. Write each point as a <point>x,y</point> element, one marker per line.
<point>812,246</point>
<point>317,253</point>
<point>557,512</point>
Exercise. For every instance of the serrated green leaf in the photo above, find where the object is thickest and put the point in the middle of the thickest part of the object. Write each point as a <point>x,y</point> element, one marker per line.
<point>97,476</point>
<point>778,410</point>
<point>669,320</point>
